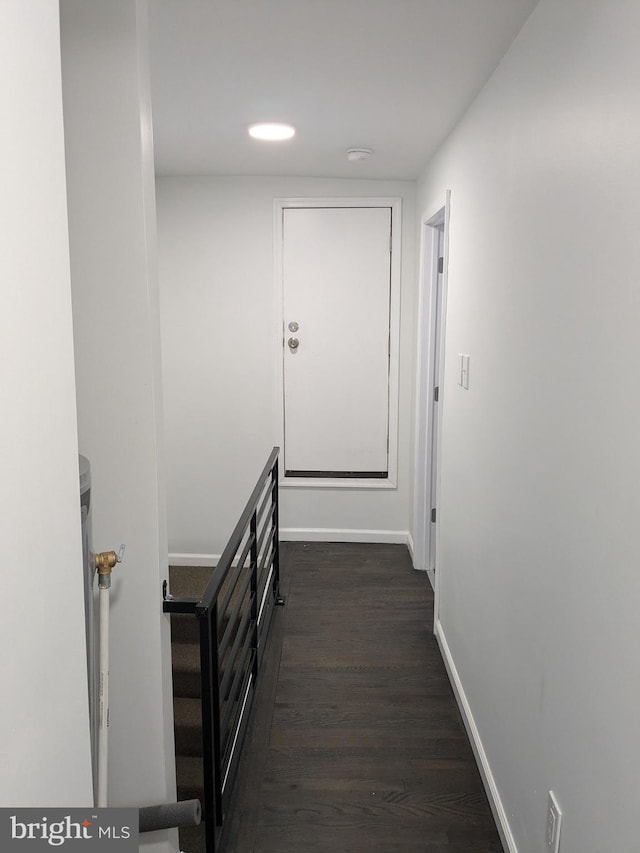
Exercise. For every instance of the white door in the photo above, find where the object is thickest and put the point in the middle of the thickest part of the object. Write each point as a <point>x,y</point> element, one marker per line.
<point>336,302</point>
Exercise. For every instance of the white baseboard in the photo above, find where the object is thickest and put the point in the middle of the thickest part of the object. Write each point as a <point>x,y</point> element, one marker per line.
<point>177,559</point>
<point>430,574</point>
<point>493,795</point>
<point>410,544</point>
<point>329,534</point>
<point>304,534</point>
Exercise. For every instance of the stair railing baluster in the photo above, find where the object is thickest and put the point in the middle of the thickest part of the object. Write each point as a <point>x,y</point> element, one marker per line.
<point>208,621</point>
<point>276,541</point>
<point>217,647</point>
<point>254,593</point>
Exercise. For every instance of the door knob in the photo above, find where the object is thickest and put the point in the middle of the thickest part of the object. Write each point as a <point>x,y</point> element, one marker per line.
<point>293,343</point>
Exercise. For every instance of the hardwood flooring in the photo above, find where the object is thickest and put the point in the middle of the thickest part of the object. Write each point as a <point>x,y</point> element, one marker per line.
<point>356,743</point>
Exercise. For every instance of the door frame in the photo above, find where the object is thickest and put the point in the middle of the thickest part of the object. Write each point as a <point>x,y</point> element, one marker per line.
<point>426,432</point>
<point>395,203</point>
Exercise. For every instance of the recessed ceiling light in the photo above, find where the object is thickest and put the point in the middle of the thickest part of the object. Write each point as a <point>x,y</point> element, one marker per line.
<point>272,131</point>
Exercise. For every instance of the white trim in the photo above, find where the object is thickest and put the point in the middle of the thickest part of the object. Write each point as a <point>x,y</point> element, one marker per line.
<point>424,391</point>
<point>330,534</point>
<point>493,795</point>
<point>184,559</point>
<point>424,387</point>
<point>205,560</point>
<point>338,483</point>
<point>395,203</point>
<point>430,575</point>
<point>410,545</point>
<point>443,375</point>
<point>306,534</point>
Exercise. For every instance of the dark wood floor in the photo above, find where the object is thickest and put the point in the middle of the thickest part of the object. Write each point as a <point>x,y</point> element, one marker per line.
<point>357,745</point>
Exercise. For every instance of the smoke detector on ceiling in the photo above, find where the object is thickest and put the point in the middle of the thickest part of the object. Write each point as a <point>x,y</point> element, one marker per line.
<point>355,155</point>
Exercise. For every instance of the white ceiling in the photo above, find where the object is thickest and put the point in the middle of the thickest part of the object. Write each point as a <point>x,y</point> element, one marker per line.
<point>391,75</point>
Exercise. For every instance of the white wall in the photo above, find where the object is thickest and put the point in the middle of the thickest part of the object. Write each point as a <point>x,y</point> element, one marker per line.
<point>44,718</point>
<point>219,344</point>
<point>538,575</point>
<point>116,323</point>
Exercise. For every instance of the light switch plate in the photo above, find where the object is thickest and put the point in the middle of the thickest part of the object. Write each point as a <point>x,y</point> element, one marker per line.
<point>463,380</point>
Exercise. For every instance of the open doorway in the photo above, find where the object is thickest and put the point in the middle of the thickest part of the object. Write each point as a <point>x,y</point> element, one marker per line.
<point>429,398</point>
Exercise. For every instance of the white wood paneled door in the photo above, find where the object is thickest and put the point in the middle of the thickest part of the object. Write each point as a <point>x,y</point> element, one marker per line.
<point>336,264</point>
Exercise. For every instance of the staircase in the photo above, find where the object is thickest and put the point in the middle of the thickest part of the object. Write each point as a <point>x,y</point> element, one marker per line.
<point>188,582</point>
<point>232,623</point>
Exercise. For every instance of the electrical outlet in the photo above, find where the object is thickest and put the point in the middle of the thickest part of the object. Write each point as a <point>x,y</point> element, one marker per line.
<point>554,821</point>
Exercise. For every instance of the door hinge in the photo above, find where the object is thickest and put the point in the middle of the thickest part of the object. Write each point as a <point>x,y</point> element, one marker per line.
<point>440,265</point>
<point>433,515</point>
<point>436,393</point>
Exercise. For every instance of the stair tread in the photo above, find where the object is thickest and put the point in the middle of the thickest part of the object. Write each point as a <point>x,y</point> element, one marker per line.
<point>189,581</point>
<point>184,629</point>
<point>187,711</point>
<point>192,838</point>
<point>187,723</point>
<point>186,657</point>
<point>189,769</point>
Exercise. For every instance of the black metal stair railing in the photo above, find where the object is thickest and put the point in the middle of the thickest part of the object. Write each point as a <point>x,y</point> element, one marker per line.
<point>234,615</point>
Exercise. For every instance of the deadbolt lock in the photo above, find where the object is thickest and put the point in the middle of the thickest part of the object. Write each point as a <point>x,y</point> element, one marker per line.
<point>293,326</point>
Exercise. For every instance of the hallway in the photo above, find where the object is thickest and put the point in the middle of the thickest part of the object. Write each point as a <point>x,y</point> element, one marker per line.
<point>356,744</point>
